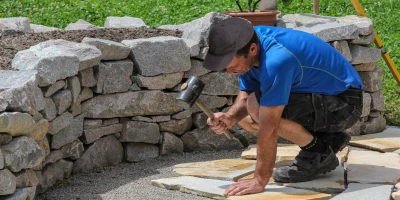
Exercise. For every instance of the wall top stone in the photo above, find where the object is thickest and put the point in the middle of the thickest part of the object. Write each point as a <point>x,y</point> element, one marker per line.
<point>123,22</point>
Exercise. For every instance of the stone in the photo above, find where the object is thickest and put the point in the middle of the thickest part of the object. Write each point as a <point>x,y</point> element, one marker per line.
<point>86,93</point>
<point>136,131</point>
<point>40,28</point>
<point>375,114</point>
<point>123,22</point>
<point>22,153</point>
<point>113,76</point>
<point>53,157</point>
<point>308,19</point>
<point>284,156</point>
<point>354,130</point>
<point>86,77</point>
<point>285,23</point>
<point>212,102</point>
<point>104,152</point>
<point>60,123</point>
<point>68,134</point>
<point>373,167</point>
<point>74,86</point>
<point>92,123</point>
<point>331,31</point>
<point>170,144</point>
<point>135,152</point>
<point>194,47</point>
<point>215,189</point>
<point>80,25</point>
<point>50,111</point>
<point>75,109</point>
<point>53,173</point>
<point>366,67</point>
<point>197,69</point>
<point>366,104</point>
<point>220,84</point>
<point>373,125</point>
<point>205,139</point>
<point>109,49</point>
<point>203,53</point>
<point>52,63</point>
<point>177,127</point>
<point>385,141</point>
<point>62,99</point>
<point>357,191</point>
<point>13,25</point>
<point>2,160</point>
<point>365,40</point>
<point>163,118</point>
<point>142,119</point>
<point>91,135</point>
<point>377,101</point>
<point>3,105</point>
<point>182,115</point>
<point>160,82</point>
<point>143,52</point>
<point>73,150</point>
<point>131,104</point>
<point>134,87</point>
<point>363,54</point>
<point>16,79</point>
<point>5,139</point>
<point>343,47</point>
<point>16,123</point>
<point>25,193</point>
<point>372,81</point>
<point>44,145</point>
<point>108,122</point>
<point>39,130</point>
<point>7,182</point>
<point>364,24</point>
<point>26,178</point>
<point>53,88</point>
<point>225,169</point>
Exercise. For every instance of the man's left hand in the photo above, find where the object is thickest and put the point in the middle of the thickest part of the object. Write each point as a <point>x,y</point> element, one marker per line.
<point>247,186</point>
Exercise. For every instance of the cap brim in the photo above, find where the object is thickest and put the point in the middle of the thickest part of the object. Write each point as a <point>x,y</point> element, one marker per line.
<point>216,62</point>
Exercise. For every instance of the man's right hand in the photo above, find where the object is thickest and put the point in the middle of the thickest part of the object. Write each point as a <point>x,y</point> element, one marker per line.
<point>221,123</point>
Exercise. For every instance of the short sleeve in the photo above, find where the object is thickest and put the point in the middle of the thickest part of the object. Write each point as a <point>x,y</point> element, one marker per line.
<point>248,81</point>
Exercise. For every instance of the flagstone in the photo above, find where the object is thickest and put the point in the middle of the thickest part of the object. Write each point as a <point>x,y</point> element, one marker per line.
<point>373,167</point>
<point>357,191</point>
<point>386,141</point>
<point>215,189</point>
<point>225,169</point>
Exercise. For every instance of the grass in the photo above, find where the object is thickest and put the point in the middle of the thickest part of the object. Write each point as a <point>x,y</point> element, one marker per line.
<point>60,13</point>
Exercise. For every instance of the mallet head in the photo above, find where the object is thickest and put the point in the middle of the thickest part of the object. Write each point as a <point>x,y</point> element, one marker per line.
<point>190,91</point>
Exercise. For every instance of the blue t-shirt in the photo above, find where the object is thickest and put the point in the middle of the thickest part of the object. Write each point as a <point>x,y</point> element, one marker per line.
<point>298,62</point>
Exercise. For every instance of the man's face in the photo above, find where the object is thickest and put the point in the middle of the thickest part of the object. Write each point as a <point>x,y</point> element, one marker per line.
<point>239,65</point>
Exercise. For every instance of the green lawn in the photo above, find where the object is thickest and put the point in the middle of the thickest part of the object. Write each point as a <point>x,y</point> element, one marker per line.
<point>60,13</point>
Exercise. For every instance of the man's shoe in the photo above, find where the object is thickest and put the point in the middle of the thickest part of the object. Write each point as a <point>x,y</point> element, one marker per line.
<point>306,166</point>
<point>338,140</point>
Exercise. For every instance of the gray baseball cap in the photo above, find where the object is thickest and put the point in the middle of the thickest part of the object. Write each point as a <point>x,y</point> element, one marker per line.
<point>225,39</point>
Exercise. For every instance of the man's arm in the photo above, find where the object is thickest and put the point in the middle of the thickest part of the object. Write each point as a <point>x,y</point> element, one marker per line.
<point>238,110</point>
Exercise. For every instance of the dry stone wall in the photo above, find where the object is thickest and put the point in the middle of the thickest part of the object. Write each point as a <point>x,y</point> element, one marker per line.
<point>74,107</point>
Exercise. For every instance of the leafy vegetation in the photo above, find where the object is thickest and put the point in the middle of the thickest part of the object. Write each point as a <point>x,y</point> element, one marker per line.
<point>60,13</point>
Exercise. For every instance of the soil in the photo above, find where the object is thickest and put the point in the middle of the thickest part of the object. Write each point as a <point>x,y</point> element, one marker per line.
<point>10,45</point>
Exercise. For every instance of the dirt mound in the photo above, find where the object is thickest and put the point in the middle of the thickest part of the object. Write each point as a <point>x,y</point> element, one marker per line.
<point>10,45</point>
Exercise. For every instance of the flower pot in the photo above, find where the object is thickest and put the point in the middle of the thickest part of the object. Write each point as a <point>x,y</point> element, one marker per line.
<point>258,17</point>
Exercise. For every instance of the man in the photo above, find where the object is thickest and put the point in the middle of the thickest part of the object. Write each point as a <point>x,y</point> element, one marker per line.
<point>292,84</point>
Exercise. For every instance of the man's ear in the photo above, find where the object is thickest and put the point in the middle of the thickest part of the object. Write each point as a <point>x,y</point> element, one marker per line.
<point>253,49</point>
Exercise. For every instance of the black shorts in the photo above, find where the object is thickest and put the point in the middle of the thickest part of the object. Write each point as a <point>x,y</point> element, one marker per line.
<point>324,113</point>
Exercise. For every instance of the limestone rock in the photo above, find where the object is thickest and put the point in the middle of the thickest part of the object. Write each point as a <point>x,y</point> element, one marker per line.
<point>197,69</point>
<point>36,28</point>
<point>91,135</point>
<point>80,25</point>
<point>104,152</point>
<point>109,49</point>
<point>13,25</point>
<point>331,31</point>
<point>74,86</point>
<point>131,104</point>
<point>170,144</point>
<point>212,102</point>
<point>385,141</point>
<point>377,101</point>
<point>373,125</point>
<point>86,77</point>
<point>53,173</point>
<point>363,54</point>
<point>148,60</point>
<point>177,127</point>
<point>123,22</point>
<point>113,76</point>
<point>206,139</point>
<point>365,40</point>
<point>162,118</point>
<point>364,24</point>
<point>365,67</point>
<point>60,123</point>
<point>92,123</point>
<point>16,123</point>
<point>136,131</point>
<point>372,81</point>
<point>22,153</point>
<point>7,182</point>
<point>365,191</point>
<point>220,84</point>
<point>159,82</point>
<point>68,134</point>
<point>135,152</point>
<point>26,178</point>
<point>366,104</point>
<point>62,99</point>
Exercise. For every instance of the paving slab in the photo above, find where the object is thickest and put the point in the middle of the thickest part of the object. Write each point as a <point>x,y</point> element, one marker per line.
<point>215,189</point>
<point>357,191</point>
<point>225,169</point>
<point>385,141</point>
<point>373,167</point>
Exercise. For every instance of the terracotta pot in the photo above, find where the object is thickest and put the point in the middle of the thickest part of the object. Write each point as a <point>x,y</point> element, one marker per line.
<point>258,17</point>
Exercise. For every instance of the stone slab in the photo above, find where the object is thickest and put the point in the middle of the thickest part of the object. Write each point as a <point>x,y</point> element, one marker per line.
<point>385,141</point>
<point>225,169</point>
<point>215,189</point>
<point>373,167</point>
<point>356,191</point>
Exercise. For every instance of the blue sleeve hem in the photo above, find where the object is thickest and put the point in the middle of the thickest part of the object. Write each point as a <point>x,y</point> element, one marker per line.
<point>269,103</point>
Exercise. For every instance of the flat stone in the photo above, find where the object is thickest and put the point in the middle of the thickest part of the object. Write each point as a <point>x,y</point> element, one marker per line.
<point>225,169</point>
<point>148,60</point>
<point>356,191</point>
<point>53,173</point>
<point>386,141</point>
<point>220,83</point>
<point>331,31</point>
<point>373,167</point>
<point>12,25</point>
<point>372,81</point>
<point>135,152</point>
<point>91,135</point>
<point>197,69</point>
<point>110,50</point>
<point>215,189</point>
<point>37,28</point>
<point>142,119</point>
<point>80,25</point>
<point>363,54</point>
<point>365,67</point>
<point>170,144</point>
<point>364,24</point>
<point>123,22</point>
<point>113,76</point>
<point>92,123</point>
<point>162,118</point>
<point>160,82</point>
<point>62,99</point>
<point>365,40</point>
<point>7,182</point>
<point>108,122</point>
<point>68,134</point>
<point>16,123</point>
<point>86,77</point>
<point>176,126</point>
<point>60,123</point>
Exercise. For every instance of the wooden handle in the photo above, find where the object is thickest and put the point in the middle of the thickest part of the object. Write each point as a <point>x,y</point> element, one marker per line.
<point>210,115</point>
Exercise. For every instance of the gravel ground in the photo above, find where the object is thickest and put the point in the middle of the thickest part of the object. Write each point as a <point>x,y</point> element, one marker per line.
<point>131,180</point>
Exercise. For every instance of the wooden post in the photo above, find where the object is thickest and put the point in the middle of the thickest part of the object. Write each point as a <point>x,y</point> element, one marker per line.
<point>316,7</point>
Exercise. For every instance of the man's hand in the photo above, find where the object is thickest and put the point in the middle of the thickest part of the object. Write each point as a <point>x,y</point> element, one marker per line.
<point>221,122</point>
<point>247,186</point>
